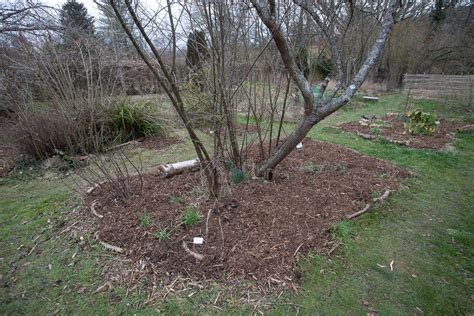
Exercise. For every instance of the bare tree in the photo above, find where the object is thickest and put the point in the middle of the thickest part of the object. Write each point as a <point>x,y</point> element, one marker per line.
<point>323,14</point>
<point>168,81</point>
<point>330,19</point>
<point>26,16</point>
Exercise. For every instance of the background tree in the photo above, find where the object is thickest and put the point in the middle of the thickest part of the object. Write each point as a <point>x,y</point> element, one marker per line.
<point>196,53</point>
<point>75,21</point>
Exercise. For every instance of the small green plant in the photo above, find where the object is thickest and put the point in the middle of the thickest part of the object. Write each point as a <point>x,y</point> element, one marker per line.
<point>190,217</point>
<point>342,230</point>
<point>162,234</point>
<point>176,199</point>
<point>237,176</point>
<point>228,165</point>
<point>145,220</point>
<point>375,130</point>
<point>421,123</point>
<point>312,168</point>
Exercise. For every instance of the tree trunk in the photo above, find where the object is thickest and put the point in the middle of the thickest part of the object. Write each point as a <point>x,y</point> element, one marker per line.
<point>286,147</point>
<point>314,113</point>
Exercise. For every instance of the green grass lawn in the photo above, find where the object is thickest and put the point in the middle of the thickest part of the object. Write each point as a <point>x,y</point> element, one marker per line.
<point>426,229</point>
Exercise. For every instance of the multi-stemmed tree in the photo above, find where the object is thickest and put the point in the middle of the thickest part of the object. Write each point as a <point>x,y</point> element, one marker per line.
<point>329,19</point>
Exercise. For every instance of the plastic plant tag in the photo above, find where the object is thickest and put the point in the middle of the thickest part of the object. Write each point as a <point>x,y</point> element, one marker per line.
<point>299,146</point>
<point>198,240</point>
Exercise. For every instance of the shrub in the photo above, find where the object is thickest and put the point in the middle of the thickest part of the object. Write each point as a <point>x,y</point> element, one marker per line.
<point>44,130</point>
<point>132,120</point>
<point>190,217</point>
<point>421,123</point>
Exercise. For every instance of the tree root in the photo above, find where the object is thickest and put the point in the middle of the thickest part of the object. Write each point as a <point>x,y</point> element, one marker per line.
<point>93,210</point>
<point>108,246</point>
<point>367,207</point>
<point>192,253</point>
<point>362,211</point>
<point>382,197</point>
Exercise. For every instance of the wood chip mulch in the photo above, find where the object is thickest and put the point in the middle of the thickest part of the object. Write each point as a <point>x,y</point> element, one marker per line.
<point>395,131</point>
<point>260,231</point>
<point>156,142</point>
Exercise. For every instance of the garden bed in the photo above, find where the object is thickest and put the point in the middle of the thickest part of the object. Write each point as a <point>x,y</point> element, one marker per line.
<point>391,128</point>
<point>260,231</point>
<point>156,142</point>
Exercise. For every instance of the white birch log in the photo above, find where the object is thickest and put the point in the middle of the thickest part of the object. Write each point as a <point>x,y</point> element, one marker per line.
<point>172,169</point>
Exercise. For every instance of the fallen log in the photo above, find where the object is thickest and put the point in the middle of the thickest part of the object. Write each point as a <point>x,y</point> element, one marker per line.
<point>465,128</point>
<point>169,170</point>
<point>397,142</point>
<point>369,98</point>
<point>366,136</point>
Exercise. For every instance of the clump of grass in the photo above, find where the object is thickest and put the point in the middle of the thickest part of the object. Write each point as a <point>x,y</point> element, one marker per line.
<point>133,120</point>
<point>145,220</point>
<point>237,176</point>
<point>190,217</point>
<point>162,234</point>
<point>342,230</point>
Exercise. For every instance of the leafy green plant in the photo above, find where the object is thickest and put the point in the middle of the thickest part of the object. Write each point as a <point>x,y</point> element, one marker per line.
<point>133,120</point>
<point>162,234</point>
<point>145,220</point>
<point>237,176</point>
<point>190,217</point>
<point>421,123</point>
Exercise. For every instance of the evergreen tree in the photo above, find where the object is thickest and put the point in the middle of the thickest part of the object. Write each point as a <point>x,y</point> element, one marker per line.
<point>75,20</point>
<point>197,50</point>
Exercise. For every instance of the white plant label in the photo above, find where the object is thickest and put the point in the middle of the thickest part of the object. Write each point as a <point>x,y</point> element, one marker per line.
<point>299,146</point>
<point>198,240</point>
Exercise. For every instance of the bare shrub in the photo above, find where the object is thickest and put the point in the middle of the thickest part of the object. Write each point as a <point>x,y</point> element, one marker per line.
<point>117,171</point>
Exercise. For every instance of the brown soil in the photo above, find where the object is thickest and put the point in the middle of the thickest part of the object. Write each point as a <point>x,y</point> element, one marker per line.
<point>261,230</point>
<point>156,142</point>
<point>442,136</point>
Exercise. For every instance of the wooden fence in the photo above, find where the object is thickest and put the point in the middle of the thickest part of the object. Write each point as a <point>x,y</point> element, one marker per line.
<point>445,87</point>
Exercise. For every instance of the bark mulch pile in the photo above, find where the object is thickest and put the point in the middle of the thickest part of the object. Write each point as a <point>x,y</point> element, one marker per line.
<point>257,233</point>
<point>393,130</point>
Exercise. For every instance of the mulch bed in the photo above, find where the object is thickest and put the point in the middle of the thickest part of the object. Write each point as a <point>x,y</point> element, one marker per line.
<point>260,231</point>
<point>156,142</point>
<point>395,131</point>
